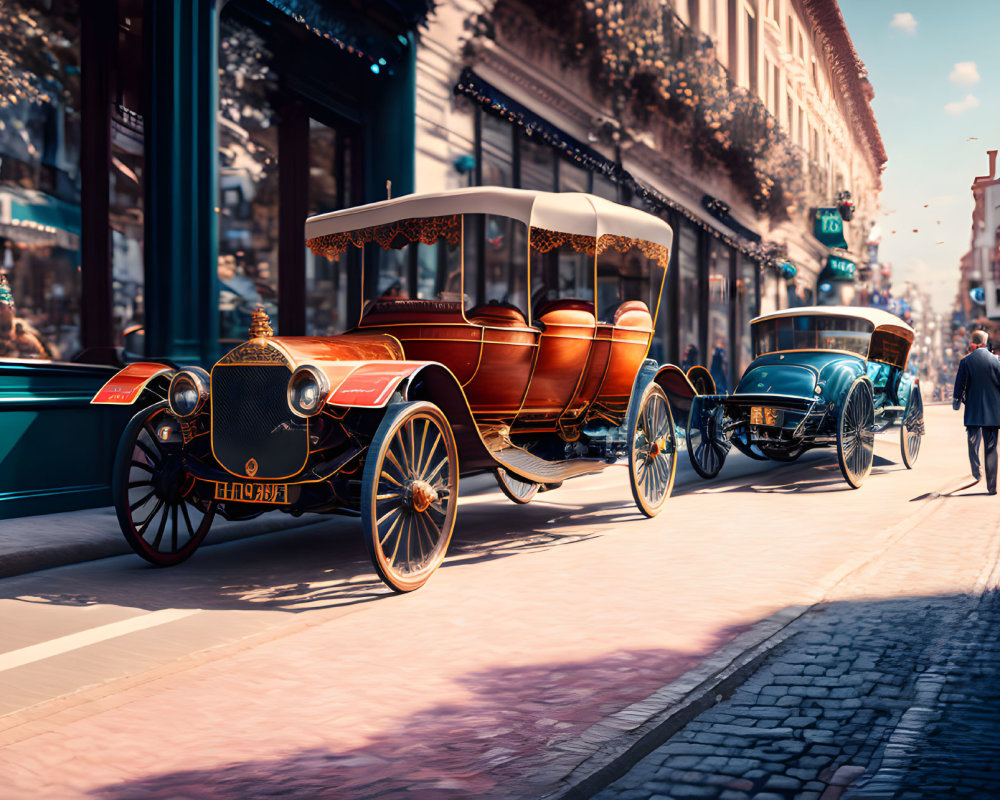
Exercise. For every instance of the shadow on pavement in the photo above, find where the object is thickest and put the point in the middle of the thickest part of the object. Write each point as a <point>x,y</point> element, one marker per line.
<point>844,689</point>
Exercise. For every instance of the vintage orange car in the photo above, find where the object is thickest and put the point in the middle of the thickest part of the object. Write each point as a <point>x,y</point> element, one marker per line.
<point>500,331</point>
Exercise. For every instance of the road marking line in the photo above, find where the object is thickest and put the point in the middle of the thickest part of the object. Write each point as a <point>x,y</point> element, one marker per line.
<point>74,641</point>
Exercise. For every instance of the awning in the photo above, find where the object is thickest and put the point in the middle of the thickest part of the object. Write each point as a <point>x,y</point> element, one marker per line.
<point>31,217</point>
<point>380,44</point>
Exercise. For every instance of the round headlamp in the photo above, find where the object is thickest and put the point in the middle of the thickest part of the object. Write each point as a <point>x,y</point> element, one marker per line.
<point>188,392</point>
<point>307,391</point>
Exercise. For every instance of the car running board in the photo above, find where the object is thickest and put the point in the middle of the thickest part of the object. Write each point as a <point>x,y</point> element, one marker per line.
<point>528,467</point>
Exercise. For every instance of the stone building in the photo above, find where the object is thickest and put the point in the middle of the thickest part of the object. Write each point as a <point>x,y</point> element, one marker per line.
<point>733,119</point>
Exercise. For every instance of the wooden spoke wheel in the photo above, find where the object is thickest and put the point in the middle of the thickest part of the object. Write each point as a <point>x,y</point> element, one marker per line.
<point>409,494</point>
<point>856,434</point>
<point>707,445</point>
<point>786,454</point>
<point>911,427</point>
<point>160,519</point>
<point>517,490</point>
<point>652,457</point>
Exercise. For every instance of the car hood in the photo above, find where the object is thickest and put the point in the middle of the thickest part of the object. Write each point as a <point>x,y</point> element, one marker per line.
<point>296,350</point>
<point>796,374</point>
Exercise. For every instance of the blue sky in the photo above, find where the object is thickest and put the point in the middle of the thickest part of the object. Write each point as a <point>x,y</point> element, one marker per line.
<point>928,110</point>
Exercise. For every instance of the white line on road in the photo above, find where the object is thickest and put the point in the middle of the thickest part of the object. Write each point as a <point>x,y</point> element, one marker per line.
<point>74,641</point>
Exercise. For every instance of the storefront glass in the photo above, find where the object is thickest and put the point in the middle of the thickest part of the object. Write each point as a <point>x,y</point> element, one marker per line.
<point>497,153</point>
<point>248,164</point>
<point>126,184</point>
<point>688,298</point>
<point>40,266</point>
<point>326,281</point>
<point>538,169</point>
<point>718,313</point>
<point>746,307</point>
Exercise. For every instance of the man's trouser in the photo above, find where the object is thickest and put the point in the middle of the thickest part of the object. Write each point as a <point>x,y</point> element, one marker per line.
<point>989,438</point>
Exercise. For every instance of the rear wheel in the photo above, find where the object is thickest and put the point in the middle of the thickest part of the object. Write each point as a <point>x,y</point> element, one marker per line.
<point>409,494</point>
<point>652,455</point>
<point>855,433</point>
<point>707,445</point>
<point>152,491</point>
<point>517,490</point>
<point>911,427</point>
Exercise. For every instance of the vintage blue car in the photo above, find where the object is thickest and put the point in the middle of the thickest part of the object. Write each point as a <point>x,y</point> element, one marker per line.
<point>821,376</point>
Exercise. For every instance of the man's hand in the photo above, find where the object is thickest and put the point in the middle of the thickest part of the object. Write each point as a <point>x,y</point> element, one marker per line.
<point>956,403</point>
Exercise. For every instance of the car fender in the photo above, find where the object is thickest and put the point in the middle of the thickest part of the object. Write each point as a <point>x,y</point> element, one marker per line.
<point>128,384</point>
<point>837,379</point>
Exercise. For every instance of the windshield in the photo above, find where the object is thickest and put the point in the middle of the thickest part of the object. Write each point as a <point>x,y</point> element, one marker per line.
<point>811,332</point>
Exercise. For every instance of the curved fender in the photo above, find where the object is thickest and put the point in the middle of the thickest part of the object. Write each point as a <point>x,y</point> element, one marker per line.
<point>679,389</point>
<point>364,384</point>
<point>699,377</point>
<point>127,384</point>
<point>436,383</point>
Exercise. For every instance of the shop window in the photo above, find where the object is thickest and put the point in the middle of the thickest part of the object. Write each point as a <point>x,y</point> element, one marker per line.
<point>746,307</point>
<point>626,276</point>
<point>605,188</point>
<point>329,190</point>
<point>573,178</point>
<point>248,164</point>
<point>718,313</point>
<point>126,196</point>
<point>688,299</point>
<point>497,151</point>
<point>538,165</point>
<point>40,280</point>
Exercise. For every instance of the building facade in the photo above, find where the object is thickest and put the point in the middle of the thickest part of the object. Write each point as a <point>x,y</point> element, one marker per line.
<point>158,160</point>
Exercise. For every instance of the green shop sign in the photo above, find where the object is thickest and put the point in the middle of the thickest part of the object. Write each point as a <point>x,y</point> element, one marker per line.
<point>828,227</point>
<point>839,268</point>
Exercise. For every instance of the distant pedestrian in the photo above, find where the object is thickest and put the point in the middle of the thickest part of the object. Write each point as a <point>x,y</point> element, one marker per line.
<point>977,384</point>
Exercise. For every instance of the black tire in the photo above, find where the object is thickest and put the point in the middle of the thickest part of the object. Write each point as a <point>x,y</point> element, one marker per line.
<point>652,454</point>
<point>911,427</point>
<point>707,445</point>
<point>152,492</point>
<point>855,433</point>
<point>517,490</point>
<point>409,494</point>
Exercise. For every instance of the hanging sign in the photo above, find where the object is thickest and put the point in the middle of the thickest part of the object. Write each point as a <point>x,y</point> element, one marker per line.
<point>828,227</point>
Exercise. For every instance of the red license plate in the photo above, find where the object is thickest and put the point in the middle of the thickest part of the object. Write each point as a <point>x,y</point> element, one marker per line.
<point>241,492</point>
<point>762,415</point>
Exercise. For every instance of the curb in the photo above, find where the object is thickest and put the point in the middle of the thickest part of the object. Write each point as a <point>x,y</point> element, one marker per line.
<point>651,722</point>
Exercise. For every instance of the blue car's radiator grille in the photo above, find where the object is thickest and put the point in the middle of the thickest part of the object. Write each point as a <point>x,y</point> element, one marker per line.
<point>254,433</point>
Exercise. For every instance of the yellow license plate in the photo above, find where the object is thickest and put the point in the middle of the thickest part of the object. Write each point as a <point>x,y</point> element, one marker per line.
<point>252,492</point>
<point>762,415</point>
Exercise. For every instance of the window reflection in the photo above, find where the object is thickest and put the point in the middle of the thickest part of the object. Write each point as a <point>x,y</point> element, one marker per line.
<point>40,180</point>
<point>248,163</point>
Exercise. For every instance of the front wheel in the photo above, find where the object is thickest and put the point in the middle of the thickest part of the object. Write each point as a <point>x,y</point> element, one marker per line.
<point>409,494</point>
<point>911,427</point>
<point>152,491</point>
<point>855,433</point>
<point>652,454</point>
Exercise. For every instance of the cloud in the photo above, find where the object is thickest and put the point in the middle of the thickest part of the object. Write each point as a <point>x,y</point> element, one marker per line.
<point>965,73</point>
<point>961,106</point>
<point>905,22</point>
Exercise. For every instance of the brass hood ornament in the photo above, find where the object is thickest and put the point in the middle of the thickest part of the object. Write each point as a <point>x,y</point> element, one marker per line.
<point>260,324</point>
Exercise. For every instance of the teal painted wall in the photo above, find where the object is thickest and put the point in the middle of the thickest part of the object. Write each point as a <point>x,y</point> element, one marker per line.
<point>56,449</point>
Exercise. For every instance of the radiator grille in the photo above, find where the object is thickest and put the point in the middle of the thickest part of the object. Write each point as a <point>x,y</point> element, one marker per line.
<point>251,420</point>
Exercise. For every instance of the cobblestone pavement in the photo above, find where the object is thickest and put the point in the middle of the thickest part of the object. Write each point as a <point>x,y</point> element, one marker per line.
<point>869,699</point>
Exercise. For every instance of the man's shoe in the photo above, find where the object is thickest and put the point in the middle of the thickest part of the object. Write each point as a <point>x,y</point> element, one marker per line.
<point>991,491</point>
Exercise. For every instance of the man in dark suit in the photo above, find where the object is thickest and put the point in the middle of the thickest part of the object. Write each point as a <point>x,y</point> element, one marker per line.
<point>978,385</point>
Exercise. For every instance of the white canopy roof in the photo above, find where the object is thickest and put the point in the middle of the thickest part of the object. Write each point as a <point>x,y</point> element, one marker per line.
<point>568,212</point>
<point>875,316</point>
